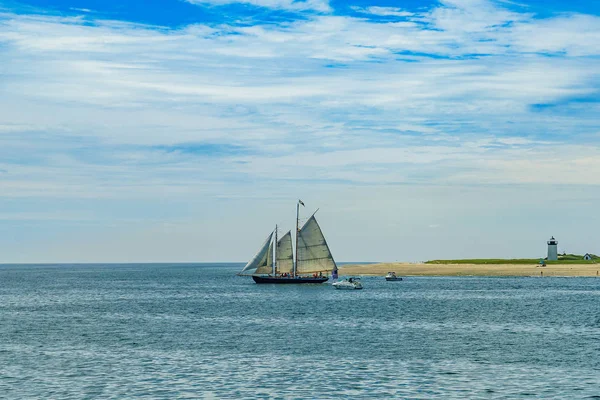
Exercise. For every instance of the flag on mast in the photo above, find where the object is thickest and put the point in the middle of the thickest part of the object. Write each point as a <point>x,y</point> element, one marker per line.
<point>300,201</point>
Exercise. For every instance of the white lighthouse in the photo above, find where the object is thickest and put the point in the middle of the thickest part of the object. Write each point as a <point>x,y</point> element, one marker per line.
<point>552,249</point>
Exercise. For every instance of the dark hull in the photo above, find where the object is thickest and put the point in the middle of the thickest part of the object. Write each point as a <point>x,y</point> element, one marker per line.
<point>289,280</point>
<point>393,279</point>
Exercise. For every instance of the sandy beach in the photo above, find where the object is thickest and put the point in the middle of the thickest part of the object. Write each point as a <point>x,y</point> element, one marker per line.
<point>409,269</point>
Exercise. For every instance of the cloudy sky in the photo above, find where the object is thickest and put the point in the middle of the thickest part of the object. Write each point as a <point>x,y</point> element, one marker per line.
<point>174,130</point>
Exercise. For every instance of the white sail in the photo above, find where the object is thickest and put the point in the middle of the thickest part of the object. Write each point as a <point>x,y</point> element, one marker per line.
<point>260,259</point>
<point>267,267</point>
<point>313,254</point>
<point>285,259</point>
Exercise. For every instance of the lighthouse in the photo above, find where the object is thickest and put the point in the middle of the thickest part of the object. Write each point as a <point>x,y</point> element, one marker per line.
<point>552,249</point>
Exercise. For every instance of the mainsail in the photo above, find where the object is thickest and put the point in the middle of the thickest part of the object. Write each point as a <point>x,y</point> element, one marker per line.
<point>285,259</point>
<point>260,259</point>
<point>313,254</point>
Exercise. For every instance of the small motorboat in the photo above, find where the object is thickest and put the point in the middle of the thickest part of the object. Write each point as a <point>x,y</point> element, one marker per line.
<point>391,276</point>
<point>348,284</point>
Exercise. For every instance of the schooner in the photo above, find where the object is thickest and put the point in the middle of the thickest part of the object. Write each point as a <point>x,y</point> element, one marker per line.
<point>275,261</point>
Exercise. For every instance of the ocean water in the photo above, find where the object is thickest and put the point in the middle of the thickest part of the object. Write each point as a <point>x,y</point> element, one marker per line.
<point>198,331</point>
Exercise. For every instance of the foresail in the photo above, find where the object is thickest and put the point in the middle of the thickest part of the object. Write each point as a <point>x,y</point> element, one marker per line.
<point>313,253</point>
<point>285,259</point>
<point>260,259</point>
<point>267,268</point>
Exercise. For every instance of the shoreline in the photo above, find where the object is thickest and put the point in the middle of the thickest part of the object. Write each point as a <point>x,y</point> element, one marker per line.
<point>411,269</point>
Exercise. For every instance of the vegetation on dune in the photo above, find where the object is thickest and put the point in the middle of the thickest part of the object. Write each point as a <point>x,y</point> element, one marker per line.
<point>562,259</point>
<point>576,257</point>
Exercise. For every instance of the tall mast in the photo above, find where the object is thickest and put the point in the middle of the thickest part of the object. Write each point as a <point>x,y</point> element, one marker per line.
<point>297,230</point>
<point>275,256</point>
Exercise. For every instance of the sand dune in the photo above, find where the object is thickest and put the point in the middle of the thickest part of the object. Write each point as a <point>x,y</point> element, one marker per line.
<point>408,269</point>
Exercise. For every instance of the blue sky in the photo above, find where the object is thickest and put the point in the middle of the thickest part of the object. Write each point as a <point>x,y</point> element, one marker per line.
<point>184,130</point>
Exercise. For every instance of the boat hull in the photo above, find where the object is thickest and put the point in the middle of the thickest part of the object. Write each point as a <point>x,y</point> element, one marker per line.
<point>392,279</point>
<point>289,280</point>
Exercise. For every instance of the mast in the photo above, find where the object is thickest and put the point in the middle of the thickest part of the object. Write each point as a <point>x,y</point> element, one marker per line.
<point>297,230</point>
<point>275,256</point>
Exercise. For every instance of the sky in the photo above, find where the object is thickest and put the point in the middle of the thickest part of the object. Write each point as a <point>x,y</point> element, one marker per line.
<point>184,130</point>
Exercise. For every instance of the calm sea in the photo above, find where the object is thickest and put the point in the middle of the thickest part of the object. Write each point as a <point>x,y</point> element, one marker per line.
<point>198,331</point>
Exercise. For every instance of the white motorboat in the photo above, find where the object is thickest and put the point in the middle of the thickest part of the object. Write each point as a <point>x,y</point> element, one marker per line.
<point>391,276</point>
<point>348,284</point>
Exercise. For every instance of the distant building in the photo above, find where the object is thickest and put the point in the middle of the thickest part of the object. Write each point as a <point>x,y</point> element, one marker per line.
<point>587,256</point>
<point>552,249</point>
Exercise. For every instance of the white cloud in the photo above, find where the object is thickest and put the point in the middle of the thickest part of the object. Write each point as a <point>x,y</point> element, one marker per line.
<point>574,35</point>
<point>383,11</point>
<point>292,5</point>
<point>104,110</point>
<point>84,10</point>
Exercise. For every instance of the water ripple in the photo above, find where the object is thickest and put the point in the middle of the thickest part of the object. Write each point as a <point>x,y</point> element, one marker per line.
<point>164,331</point>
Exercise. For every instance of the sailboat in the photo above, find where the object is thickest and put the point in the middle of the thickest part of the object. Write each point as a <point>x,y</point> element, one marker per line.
<point>275,261</point>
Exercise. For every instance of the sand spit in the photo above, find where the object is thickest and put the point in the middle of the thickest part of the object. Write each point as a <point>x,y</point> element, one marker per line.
<point>408,269</point>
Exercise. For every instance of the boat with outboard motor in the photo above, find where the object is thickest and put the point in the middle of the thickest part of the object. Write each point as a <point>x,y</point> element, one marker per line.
<point>275,261</point>
<point>391,276</point>
<point>348,284</point>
